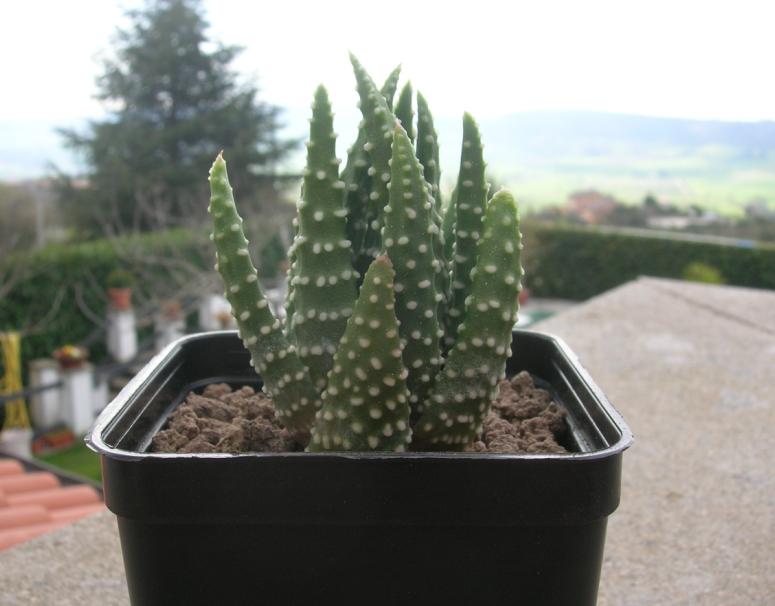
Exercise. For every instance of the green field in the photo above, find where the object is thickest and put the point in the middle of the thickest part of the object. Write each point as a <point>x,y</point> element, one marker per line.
<point>78,460</point>
<point>709,179</point>
<point>545,156</point>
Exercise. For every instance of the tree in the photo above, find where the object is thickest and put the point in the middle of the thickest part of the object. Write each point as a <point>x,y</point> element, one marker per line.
<point>176,102</point>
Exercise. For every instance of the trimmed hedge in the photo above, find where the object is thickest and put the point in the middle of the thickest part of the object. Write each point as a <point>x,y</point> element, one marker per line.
<point>562,262</point>
<point>578,263</point>
<point>58,281</point>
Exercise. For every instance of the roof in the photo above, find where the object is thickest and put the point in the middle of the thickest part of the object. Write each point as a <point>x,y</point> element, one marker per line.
<point>34,502</point>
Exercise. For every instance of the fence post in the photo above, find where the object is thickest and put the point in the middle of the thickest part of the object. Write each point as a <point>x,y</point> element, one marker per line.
<point>44,405</point>
<point>77,398</point>
<point>214,313</point>
<point>16,442</point>
<point>169,324</point>
<point>101,393</point>
<point>167,330</point>
<point>122,335</point>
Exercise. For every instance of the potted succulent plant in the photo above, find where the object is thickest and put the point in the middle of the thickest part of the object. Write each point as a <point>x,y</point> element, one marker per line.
<point>71,356</point>
<point>120,284</point>
<point>398,333</point>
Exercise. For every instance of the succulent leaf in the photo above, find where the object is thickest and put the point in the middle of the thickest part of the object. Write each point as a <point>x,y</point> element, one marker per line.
<point>428,154</point>
<point>290,274</point>
<point>390,85</point>
<point>441,276</point>
<point>464,390</point>
<point>448,227</point>
<point>366,404</point>
<point>285,377</point>
<point>358,181</point>
<point>428,148</point>
<point>323,280</point>
<point>448,252</point>
<point>379,123</point>
<point>408,239</point>
<point>404,111</point>
<point>470,204</point>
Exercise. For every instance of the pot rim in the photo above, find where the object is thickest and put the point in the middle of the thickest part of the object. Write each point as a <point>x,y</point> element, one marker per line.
<point>95,442</point>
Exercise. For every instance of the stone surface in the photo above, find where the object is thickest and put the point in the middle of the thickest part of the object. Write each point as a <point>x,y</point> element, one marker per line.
<point>79,565</point>
<point>691,369</point>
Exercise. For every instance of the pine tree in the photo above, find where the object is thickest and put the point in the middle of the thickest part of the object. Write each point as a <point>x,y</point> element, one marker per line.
<point>176,102</point>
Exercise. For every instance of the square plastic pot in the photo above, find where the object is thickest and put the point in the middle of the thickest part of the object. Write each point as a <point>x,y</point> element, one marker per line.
<point>358,528</point>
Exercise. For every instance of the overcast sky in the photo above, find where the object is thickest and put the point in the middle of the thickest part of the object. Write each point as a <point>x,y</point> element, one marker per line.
<point>665,58</point>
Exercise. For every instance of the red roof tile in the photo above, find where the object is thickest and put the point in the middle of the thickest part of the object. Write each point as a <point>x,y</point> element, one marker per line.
<point>10,467</point>
<point>34,502</point>
<point>26,482</point>
<point>22,515</point>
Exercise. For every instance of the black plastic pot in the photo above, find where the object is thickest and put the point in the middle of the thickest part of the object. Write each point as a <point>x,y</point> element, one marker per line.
<point>358,529</point>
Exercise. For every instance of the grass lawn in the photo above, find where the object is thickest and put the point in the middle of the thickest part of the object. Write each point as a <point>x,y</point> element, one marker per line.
<point>78,460</point>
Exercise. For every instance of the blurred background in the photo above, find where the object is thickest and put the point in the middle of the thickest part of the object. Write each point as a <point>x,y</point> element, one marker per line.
<point>638,137</point>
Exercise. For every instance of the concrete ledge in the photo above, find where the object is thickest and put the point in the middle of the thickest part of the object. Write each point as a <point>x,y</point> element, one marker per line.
<point>692,369</point>
<point>79,565</point>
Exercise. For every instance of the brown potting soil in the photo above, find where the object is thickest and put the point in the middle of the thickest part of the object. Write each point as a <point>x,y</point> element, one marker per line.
<point>523,419</point>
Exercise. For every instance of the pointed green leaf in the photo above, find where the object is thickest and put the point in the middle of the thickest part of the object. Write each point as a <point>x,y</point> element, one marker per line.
<point>470,203</point>
<point>366,404</point>
<point>408,239</point>
<point>378,122</point>
<point>324,280</point>
<point>359,182</point>
<point>428,148</point>
<point>404,110</point>
<point>285,377</point>
<point>465,389</point>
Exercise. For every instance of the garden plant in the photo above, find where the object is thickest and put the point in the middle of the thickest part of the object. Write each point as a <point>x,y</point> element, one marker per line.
<point>396,336</point>
<point>400,308</point>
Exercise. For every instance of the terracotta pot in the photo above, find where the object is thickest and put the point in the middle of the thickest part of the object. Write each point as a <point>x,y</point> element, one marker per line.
<point>70,363</point>
<point>120,298</point>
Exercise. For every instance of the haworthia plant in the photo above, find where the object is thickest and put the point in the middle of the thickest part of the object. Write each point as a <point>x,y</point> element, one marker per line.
<point>428,156</point>
<point>285,377</point>
<point>407,237</point>
<point>357,179</point>
<point>390,86</point>
<point>404,110</point>
<point>448,226</point>
<point>366,403</point>
<point>428,148</point>
<point>462,394</point>
<point>323,278</point>
<point>378,124</point>
<point>470,202</point>
<point>367,371</point>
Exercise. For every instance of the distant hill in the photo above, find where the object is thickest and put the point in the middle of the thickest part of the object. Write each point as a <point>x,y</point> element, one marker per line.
<point>546,155</point>
<point>553,131</point>
<point>542,155</point>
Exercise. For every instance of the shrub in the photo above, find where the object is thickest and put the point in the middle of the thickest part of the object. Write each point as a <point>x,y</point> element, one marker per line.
<point>702,272</point>
<point>62,285</point>
<point>578,263</point>
<point>120,278</point>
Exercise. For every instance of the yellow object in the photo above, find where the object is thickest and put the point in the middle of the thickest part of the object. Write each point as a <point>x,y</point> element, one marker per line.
<point>15,410</point>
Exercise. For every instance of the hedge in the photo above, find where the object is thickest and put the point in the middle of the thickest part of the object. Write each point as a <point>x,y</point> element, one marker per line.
<point>56,283</point>
<point>562,262</point>
<point>578,263</point>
